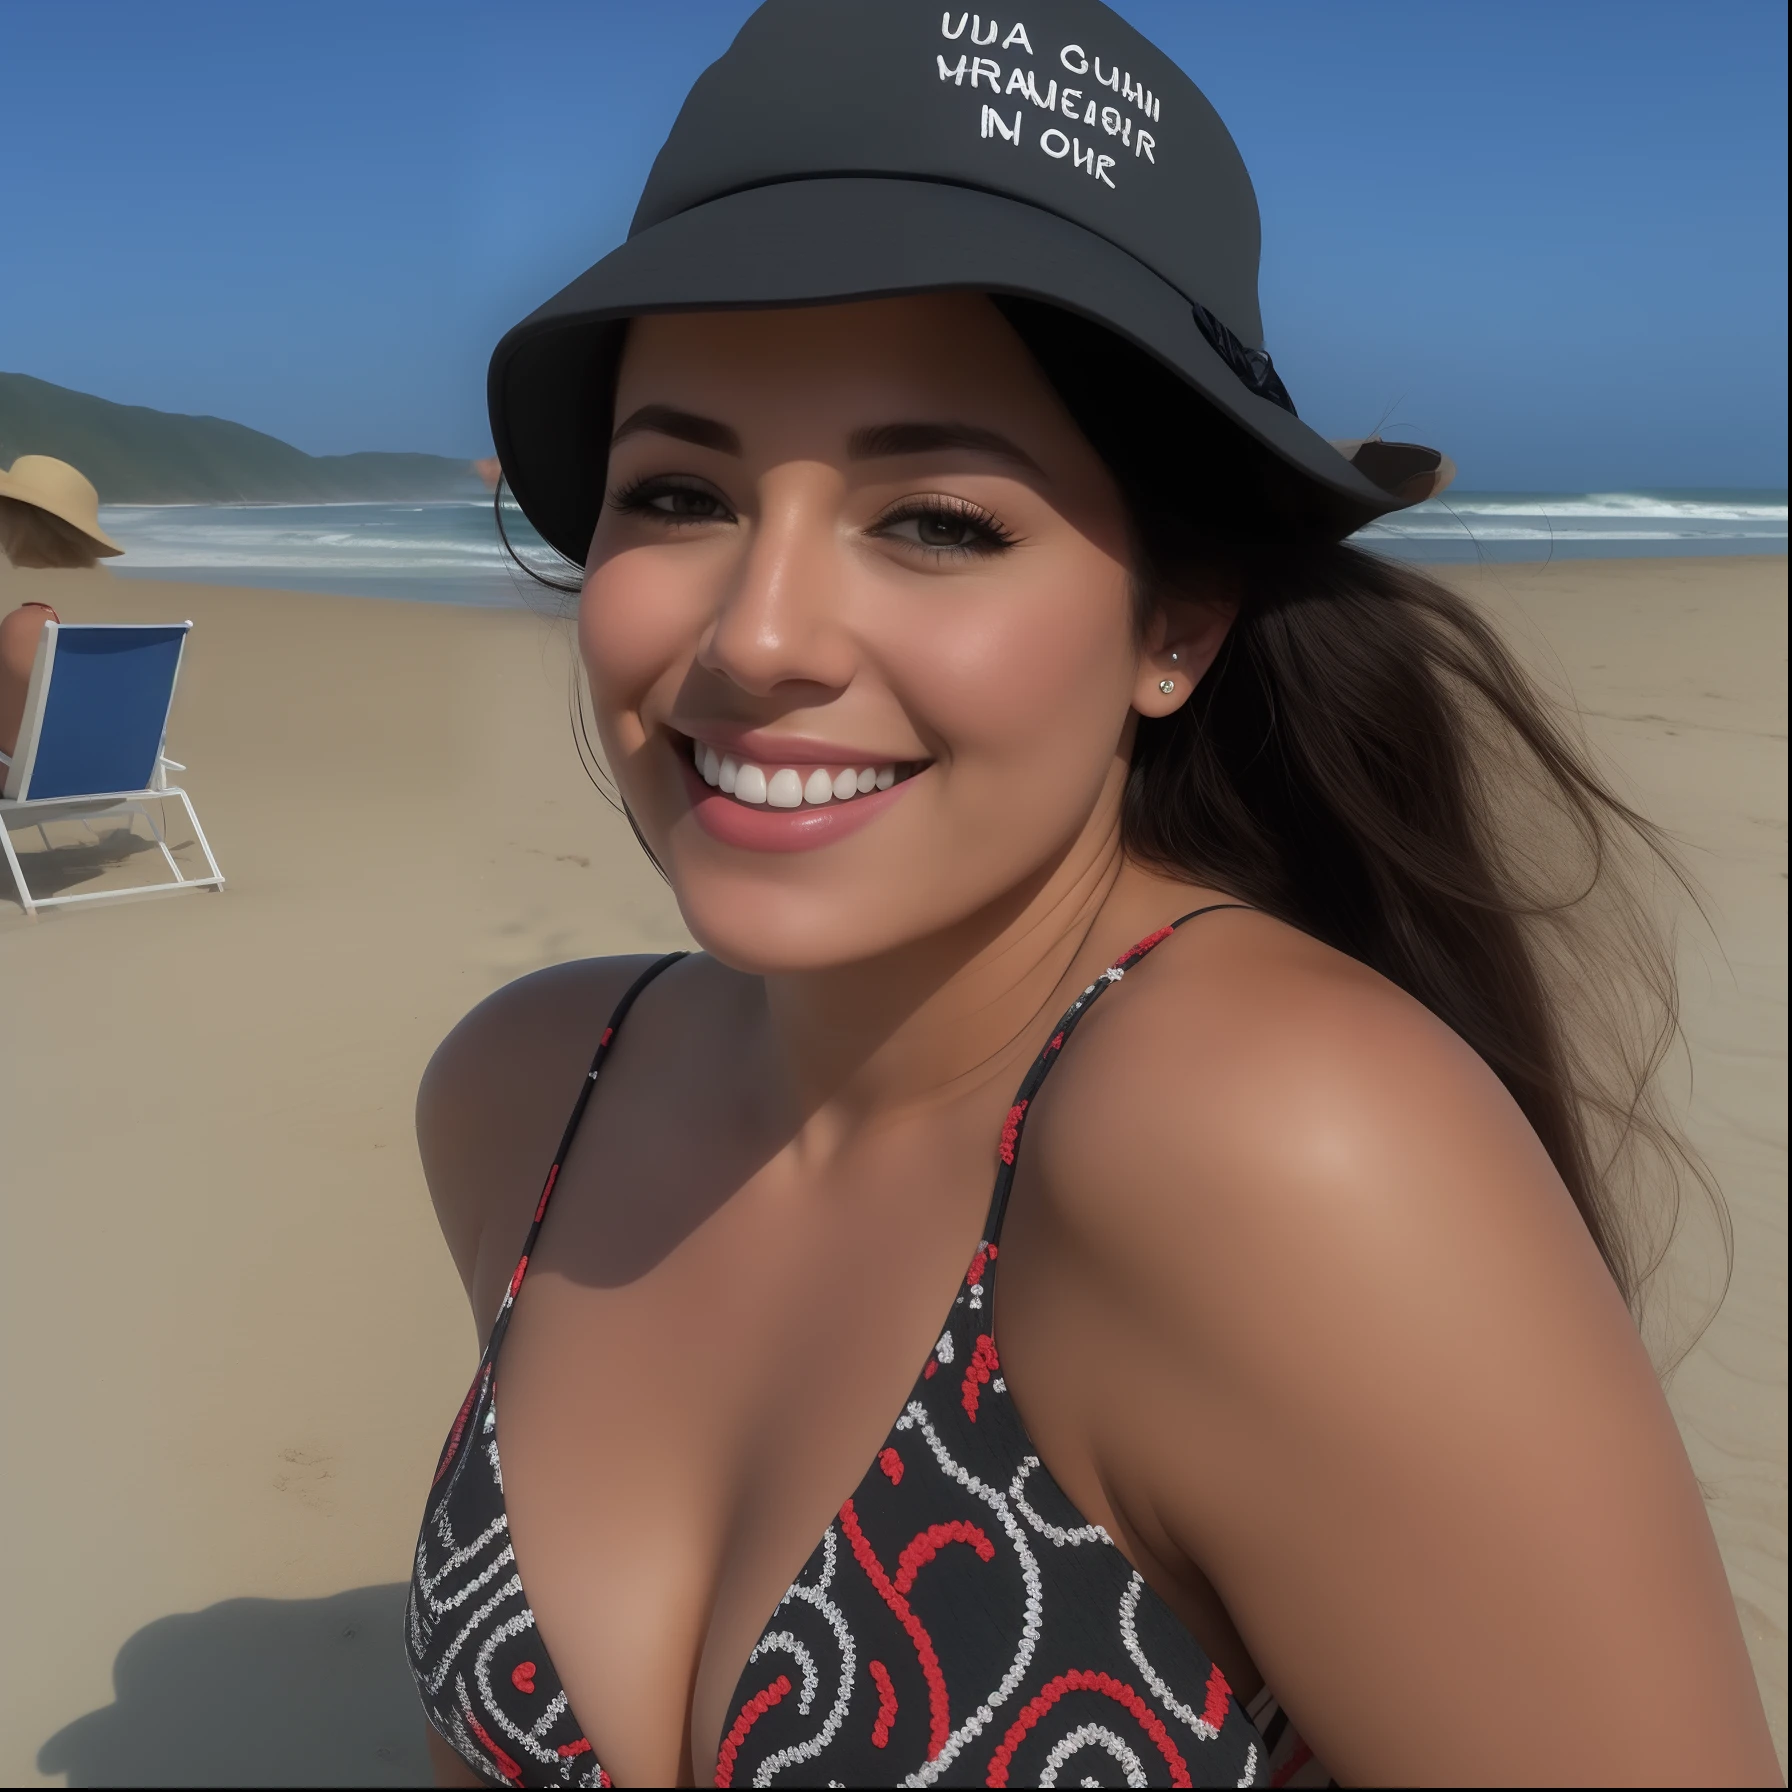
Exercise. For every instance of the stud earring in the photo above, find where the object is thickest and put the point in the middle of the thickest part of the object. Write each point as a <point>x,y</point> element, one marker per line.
<point>1166,685</point>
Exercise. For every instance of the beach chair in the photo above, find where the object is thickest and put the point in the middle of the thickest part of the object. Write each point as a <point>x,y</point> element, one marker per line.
<point>90,745</point>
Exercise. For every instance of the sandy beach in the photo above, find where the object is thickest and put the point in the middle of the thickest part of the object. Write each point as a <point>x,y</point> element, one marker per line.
<point>234,1337</point>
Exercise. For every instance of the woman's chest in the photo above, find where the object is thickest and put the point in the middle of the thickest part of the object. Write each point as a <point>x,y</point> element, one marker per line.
<point>673,1446</point>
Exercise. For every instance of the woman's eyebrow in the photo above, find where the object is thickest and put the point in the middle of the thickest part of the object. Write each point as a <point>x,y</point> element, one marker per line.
<point>928,438</point>
<point>663,420</point>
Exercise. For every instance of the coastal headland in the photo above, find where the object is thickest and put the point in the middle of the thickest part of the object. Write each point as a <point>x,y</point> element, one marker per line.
<point>235,1338</point>
<point>135,455</point>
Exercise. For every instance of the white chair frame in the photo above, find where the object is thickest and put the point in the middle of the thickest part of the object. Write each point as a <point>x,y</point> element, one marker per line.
<point>36,811</point>
<point>28,811</point>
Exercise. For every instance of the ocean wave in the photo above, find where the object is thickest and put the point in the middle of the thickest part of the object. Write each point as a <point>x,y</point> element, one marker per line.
<point>1619,506</point>
<point>348,566</point>
<point>343,541</point>
<point>180,550</point>
<point>454,541</point>
<point>248,507</point>
<point>1426,531</point>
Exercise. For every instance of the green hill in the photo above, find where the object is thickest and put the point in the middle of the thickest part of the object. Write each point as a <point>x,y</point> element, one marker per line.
<point>138,456</point>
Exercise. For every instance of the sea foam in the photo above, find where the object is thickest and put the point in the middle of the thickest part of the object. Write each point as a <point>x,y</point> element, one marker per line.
<point>449,552</point>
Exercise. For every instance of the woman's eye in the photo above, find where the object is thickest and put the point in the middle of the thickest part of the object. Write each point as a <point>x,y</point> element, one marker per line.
<point>678,501</point>
<point>937,530</point>
<point>947,531</point>
<point>675,503</point>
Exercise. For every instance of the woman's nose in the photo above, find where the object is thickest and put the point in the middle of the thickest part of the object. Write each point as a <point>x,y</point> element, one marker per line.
<point>781,619</point>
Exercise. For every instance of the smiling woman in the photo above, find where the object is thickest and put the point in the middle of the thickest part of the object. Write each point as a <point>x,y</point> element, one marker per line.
<point>787,794</point>
<point>989,584</point>
<point>1112,1261</point>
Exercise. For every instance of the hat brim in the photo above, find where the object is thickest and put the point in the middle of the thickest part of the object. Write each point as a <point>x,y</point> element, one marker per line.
<point>22,493</point>
<point>833,241</point>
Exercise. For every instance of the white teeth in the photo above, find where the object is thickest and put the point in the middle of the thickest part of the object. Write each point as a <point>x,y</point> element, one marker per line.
<point>786,787</point>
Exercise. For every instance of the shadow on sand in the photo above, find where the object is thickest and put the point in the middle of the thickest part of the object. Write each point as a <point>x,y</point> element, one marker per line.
<point>257,1692</point>
<point>54,866</point>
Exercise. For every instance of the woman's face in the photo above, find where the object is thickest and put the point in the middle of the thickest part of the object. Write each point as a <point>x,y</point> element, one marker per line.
<point>858,623</point>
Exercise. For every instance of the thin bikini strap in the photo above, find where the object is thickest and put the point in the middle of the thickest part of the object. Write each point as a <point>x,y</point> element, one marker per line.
<point>501,1324</point>
<point>1015,1125</point>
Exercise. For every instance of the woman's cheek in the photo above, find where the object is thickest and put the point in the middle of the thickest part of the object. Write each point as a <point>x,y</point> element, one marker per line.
<point>1022,687</point>
<point>628,641</point>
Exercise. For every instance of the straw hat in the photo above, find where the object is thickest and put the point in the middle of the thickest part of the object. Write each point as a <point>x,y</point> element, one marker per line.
<point>61,491</point>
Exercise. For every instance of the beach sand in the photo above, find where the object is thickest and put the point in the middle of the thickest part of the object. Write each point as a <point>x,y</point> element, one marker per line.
<point>234,1340</point>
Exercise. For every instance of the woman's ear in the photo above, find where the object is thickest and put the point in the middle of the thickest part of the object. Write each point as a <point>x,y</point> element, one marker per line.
<point>1181,641</point>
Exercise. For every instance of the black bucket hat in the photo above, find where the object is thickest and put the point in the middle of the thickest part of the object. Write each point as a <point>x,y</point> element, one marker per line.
<point>856,149</point>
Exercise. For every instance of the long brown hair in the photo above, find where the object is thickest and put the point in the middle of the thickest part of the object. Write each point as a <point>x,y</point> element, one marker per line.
<point>1368,761</point>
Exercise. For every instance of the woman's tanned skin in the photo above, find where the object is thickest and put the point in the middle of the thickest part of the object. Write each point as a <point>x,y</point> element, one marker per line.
<point>1292,1300</point>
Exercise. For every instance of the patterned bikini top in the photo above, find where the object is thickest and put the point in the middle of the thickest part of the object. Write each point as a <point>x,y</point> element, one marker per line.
<point>959,1624</point>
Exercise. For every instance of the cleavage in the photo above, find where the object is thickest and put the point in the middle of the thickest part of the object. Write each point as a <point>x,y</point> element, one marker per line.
<point>674,1446</point>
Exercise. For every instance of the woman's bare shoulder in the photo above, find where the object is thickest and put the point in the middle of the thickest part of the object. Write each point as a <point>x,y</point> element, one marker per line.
<point>1245,1055</point>
<point>1262,1139</point>
<point>1376,1379</point>
<point>495,1096</point>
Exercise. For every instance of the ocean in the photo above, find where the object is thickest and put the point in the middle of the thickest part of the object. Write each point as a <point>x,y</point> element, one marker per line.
<point>1469,526</point>
<point>450,552</point>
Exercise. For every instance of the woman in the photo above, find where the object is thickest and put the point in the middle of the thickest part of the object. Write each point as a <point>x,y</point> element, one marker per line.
<point>984,673</point>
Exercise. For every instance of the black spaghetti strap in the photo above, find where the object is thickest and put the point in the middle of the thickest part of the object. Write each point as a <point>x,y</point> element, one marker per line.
<point>617,1016</point>
<point>1016,1123</point>
<point>1194,914</point>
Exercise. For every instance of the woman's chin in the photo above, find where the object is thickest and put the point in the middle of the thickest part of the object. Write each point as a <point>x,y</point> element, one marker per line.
<point>764,932</point>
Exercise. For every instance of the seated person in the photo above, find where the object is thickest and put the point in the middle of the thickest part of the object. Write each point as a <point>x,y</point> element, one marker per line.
<point>18,648</point>
<point>50,515</point>
<point>49,518</point>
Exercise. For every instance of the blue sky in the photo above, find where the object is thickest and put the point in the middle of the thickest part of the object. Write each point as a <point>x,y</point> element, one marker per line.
<point>1550,238</point>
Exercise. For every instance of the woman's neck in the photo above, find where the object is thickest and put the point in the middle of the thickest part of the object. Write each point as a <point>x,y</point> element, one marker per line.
<point>935,1021</point>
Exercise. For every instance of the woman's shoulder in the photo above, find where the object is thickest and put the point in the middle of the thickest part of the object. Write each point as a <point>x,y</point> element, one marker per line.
<point>1239,1002</point>
<point>570,999</point>
<point>1250,1087</point>
<point>495,1096</point>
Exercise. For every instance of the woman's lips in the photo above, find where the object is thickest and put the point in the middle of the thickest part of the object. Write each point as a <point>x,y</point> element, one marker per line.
<point>781,824</point>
